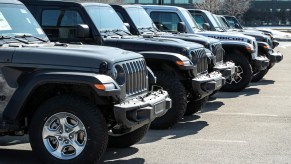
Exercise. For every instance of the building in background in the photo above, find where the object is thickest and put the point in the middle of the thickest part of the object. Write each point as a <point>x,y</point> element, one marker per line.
<point>261,13</point>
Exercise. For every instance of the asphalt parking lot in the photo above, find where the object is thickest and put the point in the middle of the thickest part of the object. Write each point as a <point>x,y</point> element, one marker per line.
<point>252,126</point>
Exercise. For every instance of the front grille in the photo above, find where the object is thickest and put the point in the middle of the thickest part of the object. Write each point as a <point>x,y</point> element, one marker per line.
<point>136,76</point>
<point>218,51</point>
<point>200,58</point>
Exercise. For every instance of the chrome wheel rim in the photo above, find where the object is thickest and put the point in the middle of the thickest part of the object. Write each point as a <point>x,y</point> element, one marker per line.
<point>237,77</point>
<point>64,136</point>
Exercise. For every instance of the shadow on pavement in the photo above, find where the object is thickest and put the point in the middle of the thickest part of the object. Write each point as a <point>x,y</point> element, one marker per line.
<point>211,106</point>
<point>186,127</point>
<point>115,154</point>
<point>13,156</point>
<point>245,92</point>
<point>263,82</point>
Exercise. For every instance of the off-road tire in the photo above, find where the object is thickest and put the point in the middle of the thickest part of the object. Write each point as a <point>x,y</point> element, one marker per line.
<point>178,95</point>
<point>195,106</point>
<point>128,139</point>
<point>246,77</point>
<point>259,76</point>
<point>91,118</point>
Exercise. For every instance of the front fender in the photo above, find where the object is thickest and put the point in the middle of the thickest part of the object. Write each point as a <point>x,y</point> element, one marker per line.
<point>32,81</point>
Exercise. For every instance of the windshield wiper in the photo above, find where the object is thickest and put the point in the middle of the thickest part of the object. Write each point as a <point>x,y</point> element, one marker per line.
<point>116,31</point>
<point>29,35</point>
<point>151,29</point>
<point>10,37</point>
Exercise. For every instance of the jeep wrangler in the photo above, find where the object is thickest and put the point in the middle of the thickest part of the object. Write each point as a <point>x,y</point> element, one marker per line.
<point>265,43</point>
<point>239,48</point>
<point>71,99</point>
<point>139,23</point>
<point>95,23</point>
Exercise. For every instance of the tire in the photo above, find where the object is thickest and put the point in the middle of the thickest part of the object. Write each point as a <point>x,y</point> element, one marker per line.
<point>178,95</point>
<point>77,114</point>
<point>128,139</point>
<point>257,77</point>
<point>194,106</point>
<point>213,93</point>
<point>243,78</point>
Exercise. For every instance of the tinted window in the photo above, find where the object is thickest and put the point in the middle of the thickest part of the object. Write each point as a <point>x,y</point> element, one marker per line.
<point>166,21</point>
<point>61,24</point>
<point>140,18</point>
<point>199,19</point>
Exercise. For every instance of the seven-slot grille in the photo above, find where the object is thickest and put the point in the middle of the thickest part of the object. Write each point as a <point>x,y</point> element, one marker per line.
<point>201,60</point>
<point>136,76</point>
<point>218,51</point>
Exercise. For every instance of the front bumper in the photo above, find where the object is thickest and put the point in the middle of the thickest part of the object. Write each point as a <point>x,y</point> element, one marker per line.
<point>275,57</point>
<point>139,111</point>
<point>227,69</point>
<point>261,63</point>
<point>206,84</point>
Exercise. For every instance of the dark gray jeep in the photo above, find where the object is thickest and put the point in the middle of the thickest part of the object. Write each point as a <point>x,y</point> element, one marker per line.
<point>71,99</point>
<point>95,23</point>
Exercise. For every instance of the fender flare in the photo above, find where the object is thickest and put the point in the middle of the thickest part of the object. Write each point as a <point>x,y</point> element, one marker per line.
<point>236,44</point>
<point>171,57</point>
<point>14,108</point>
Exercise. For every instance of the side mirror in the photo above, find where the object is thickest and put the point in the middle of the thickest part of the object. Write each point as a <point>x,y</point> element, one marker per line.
<point>206,26</point>
<point>181,27</point>
<point>127,26</point>
<point>82,31</point>
<point>159,26</point>
<point>237,26</point>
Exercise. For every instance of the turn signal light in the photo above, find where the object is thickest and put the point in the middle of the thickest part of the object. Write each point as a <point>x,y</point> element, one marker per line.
<point>100,87</point>
<point>180,63</point>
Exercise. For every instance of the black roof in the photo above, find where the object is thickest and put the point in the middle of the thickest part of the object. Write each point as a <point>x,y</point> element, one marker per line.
<point>10,2</point>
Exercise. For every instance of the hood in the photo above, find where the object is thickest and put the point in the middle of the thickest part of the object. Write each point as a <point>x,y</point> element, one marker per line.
<point>228,36</point>
<point>192,38</point>
<point>138,44</point>
<point>86,56</point>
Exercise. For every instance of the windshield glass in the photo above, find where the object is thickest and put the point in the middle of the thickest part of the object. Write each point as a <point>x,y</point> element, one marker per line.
<point>139,17</point>
<point>190,19</point>
<point>212,19</point>
<point>17,20</point>
<point>222,23</point>
<point>105,18</point>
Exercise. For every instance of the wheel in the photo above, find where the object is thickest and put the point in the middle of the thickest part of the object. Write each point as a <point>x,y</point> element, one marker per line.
<point>194,106</point>
<point>69,130</point>
<point>128,139</point>
<point>178,95</point>
<point>243,76</point>
<point>258,76</point>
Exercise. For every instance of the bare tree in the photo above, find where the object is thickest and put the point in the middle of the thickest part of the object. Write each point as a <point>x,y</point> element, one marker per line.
<point>236,7</point>
<point>210,5</point>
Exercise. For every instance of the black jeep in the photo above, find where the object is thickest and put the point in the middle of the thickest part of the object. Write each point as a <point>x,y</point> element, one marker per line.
<point>94,23</point>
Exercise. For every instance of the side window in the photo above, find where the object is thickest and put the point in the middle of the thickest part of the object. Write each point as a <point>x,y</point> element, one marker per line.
<point>166,21</point>
<point>60,25</point>
<point>199,19</point>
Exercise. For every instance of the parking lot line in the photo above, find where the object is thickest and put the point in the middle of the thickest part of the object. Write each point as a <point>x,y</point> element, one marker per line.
<point>242,114</point>
<point>225,141</point>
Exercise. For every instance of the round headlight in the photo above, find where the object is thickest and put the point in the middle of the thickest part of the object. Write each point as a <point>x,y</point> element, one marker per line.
<point>119,74</point>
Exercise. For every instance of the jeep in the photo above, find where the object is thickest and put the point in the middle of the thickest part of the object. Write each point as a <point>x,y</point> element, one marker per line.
<point>265,43</point>
<point>239,48</point>
<point>139,23</point>
<point>186,80</point>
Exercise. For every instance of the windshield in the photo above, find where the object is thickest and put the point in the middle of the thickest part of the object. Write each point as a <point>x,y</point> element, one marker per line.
<point>190,19</point>
<point>222,23</point>
<point>17,20</point>
<point>139,17</point>
<point>105,18</point>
